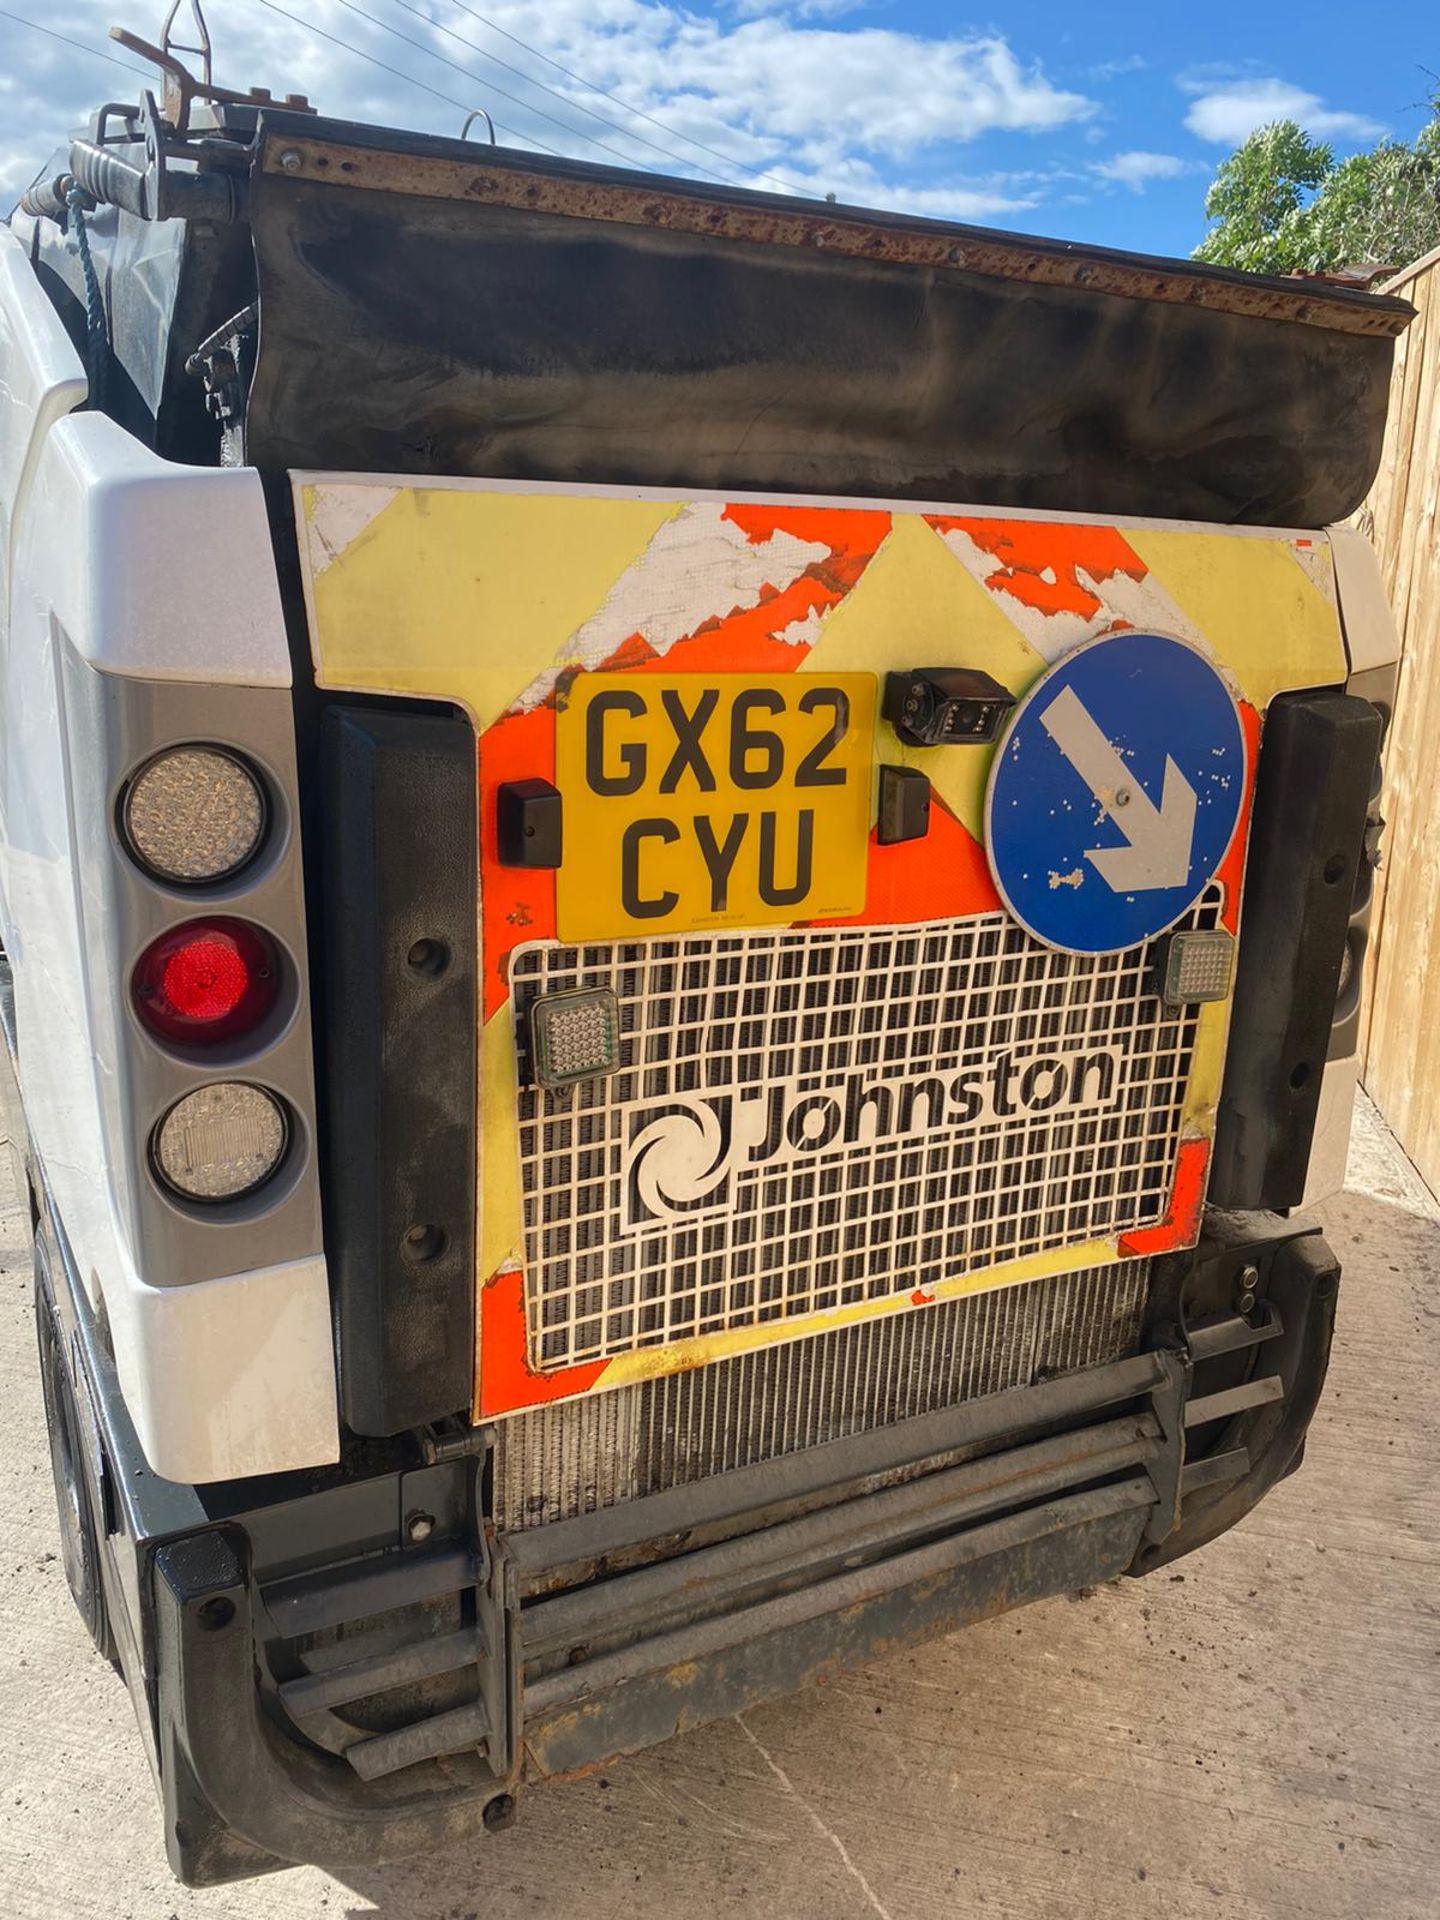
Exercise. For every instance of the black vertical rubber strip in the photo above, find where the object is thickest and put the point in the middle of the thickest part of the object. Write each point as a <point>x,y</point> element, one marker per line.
<point>399,889</point>
<point>1307,839</point>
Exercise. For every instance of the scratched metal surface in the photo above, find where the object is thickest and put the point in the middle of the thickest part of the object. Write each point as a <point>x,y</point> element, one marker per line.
<point>1250,1736</point>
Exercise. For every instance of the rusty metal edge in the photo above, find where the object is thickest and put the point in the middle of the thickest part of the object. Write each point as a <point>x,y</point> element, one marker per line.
<point>845,233</point>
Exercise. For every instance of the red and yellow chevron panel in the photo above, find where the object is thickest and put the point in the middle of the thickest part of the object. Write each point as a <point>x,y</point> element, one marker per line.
<point>503,598</point>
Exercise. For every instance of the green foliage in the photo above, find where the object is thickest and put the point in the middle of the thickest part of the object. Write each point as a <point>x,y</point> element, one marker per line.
<point>1282,204</point>
<point>1257,195</point>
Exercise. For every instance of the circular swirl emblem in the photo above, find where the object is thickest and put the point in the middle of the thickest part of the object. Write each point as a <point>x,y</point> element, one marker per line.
<point>677,1159</point>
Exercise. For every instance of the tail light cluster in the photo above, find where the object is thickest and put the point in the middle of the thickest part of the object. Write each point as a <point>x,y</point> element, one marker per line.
<point>195,817</point>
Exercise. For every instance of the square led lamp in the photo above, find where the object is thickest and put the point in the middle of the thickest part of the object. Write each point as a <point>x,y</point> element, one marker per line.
<point>1196,965</point>
<point>574,1036</point>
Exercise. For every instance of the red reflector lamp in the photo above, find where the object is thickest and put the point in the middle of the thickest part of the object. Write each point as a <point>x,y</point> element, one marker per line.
<point>206,982</point>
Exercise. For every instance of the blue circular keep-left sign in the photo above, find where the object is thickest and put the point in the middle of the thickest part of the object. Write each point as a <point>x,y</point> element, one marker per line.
<point>1115,792</point>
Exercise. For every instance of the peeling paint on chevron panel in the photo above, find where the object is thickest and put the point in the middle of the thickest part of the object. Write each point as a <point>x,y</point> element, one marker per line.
<point>336,516</point>
<point>1063,585</point>
<point>701,567</point>
<point>494,596</point>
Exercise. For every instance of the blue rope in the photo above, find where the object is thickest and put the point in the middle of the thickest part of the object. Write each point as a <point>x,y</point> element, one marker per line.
<point>97,346</point>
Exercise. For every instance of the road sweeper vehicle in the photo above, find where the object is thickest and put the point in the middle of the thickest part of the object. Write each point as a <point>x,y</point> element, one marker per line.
<point>683,883</point>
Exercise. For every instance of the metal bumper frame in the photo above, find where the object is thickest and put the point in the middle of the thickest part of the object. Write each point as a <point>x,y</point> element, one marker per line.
<point>549,1652</point>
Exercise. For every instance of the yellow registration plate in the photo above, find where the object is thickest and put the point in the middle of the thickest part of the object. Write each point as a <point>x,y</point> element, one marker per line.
<point>712,800</point>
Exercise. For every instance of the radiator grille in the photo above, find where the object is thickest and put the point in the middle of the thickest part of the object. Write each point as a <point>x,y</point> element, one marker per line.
<point>809,1119</point>
<point>577,1456</point>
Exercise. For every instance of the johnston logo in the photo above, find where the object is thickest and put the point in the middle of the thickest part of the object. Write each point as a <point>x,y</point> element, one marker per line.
<point>682,1154</point>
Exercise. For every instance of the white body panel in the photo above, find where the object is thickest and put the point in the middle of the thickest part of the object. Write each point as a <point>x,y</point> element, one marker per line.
<point>1330,1148</point>
<point>1372,638</point>
<point>43,379</point>
<point>1372,644</point>
<point>163,573</point>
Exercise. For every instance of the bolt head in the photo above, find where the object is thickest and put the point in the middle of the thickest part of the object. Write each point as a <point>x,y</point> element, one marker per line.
<point>420,1526</point>
<point>290,161</point>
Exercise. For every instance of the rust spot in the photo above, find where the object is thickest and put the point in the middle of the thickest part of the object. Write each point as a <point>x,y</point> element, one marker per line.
<point>772,220</point>
<point>564,687</point>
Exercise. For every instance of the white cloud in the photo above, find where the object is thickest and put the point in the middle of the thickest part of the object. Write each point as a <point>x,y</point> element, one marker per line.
<point>1112,69</point>
<point>827,90</point>
<point>780,94</point>
<point>798,9</point>
<point>1137,169</point>
<point>1229,111</point>
<point>984,197</point>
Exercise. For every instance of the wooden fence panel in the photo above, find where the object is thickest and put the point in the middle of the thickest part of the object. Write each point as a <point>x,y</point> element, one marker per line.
<point>1400,1042</point>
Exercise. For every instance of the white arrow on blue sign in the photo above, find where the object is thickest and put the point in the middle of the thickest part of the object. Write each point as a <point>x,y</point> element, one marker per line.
<point>1115,793</point>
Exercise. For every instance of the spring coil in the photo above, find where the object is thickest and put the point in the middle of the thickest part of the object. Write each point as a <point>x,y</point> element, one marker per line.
<point>97,345</point>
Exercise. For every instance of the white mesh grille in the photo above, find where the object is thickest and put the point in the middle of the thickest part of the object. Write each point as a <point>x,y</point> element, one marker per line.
<point>582,1455</point>
<point>741,1167</point>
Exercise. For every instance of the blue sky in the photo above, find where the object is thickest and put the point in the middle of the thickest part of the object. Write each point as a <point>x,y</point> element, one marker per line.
<point>1107,130</point>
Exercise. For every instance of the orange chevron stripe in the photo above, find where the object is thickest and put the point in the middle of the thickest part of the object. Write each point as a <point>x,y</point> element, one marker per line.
<point>1041,560</point>
<point>507,1380</point>
<point>1181,1225</point>
<point>516,903</point>
<point>1231,871</point>
<point>943,876</point>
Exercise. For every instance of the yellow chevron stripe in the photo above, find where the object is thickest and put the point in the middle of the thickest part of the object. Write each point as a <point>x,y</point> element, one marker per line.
<point>468,596</point>
<point>1207,1068</point>
<point>501,1224</point>
<point>650,1363</point>
<point>915,607</point>
<point>1257,608</point>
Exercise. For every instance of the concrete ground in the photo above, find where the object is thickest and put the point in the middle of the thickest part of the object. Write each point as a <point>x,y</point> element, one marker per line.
<point>1256,1733</point>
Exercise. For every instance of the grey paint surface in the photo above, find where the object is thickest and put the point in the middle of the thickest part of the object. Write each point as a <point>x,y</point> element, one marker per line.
<point>1255,1733</point>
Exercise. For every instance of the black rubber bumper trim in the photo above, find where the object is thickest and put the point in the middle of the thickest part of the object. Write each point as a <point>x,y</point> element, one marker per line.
<point>240,1794</point>
<point>399,882</point>
<point>1307,839</point>
<point>1269,1434</point>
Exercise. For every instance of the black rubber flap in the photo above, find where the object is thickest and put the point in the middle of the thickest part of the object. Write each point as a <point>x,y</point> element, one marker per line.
<point>1307,839</point>
<point>429,307</point>
<point>399,887</point>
